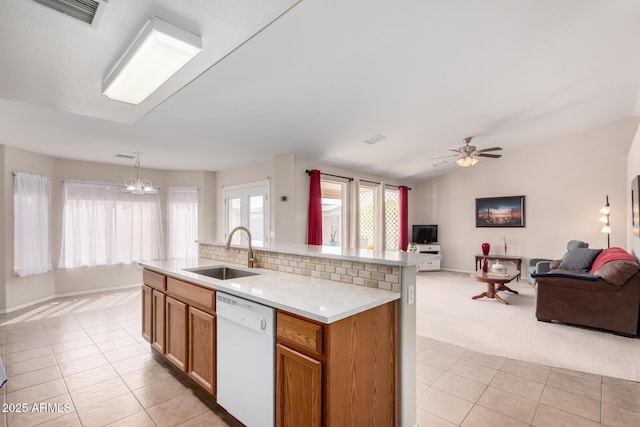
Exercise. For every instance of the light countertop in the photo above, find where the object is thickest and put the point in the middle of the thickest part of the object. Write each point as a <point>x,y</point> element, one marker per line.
<point>323,300</point>
<point>402,259</point>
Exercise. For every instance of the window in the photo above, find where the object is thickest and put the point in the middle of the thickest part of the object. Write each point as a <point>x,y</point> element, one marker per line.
<point>334,213</point>
<point>182,222</point>
<point>392,219</point>
<point>368,227</point>
<point>32,224</point>
<point>102,225</point>
<point>247,205</point>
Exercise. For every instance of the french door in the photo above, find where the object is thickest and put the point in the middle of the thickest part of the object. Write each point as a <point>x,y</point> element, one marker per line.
<point>247,205</point>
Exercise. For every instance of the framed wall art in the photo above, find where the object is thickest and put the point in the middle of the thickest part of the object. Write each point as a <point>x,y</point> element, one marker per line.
<point>500,212</point>
<point>635,206</point>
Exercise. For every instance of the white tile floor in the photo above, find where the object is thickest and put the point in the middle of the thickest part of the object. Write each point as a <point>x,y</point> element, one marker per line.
<point>85,358</point>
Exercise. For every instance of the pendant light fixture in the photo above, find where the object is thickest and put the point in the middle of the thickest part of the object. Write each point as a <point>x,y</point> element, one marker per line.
<point>136,185</point>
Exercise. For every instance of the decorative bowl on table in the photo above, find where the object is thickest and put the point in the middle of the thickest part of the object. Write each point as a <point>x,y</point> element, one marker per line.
<point>498,268</point>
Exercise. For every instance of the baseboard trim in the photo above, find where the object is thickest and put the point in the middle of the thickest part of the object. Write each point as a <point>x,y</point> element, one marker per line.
<point>67,294</point>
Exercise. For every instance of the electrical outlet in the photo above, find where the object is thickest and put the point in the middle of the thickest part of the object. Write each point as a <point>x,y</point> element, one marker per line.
<point>412,294</point>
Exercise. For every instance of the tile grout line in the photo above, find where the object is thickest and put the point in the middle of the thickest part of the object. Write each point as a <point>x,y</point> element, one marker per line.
<point>119,375</point>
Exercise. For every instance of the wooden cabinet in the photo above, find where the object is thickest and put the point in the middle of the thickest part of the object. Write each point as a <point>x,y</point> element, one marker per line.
<point>298,389</point>
<point>338,374</point>
<point>154,284</point>
<point>350,364</point>
<point>147,310</point>
<point>158,321</point>
<point>176,337</point>
<point>178,319</point>
<point>202,349</point>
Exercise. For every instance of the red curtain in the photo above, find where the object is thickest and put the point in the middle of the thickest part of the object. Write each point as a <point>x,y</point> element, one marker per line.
<point>314,234</point>
<point>404,218</point>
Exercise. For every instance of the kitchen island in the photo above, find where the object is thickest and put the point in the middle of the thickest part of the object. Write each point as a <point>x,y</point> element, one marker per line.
<point>354,344</point>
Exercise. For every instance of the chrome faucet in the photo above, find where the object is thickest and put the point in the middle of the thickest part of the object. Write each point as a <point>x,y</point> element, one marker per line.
<point>250,259</point>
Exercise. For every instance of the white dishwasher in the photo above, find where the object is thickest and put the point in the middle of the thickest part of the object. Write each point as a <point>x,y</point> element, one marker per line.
<point>245,367</point>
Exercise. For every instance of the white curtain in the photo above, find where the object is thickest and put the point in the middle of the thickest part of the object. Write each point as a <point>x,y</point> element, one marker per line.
<point>182,222</point>
<point>103,226</point>
<point>32,224</point>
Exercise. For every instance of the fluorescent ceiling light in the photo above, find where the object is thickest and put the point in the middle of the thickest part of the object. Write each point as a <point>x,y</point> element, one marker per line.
<point>156,54</point>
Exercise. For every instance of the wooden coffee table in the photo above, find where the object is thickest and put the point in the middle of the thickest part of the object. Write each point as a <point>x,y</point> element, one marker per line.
<point>495,279</point>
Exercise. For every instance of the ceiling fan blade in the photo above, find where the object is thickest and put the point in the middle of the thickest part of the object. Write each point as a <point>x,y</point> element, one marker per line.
<point>493,156</point>
<point>489,149</point>
<point>459,150</point>
<point>443,157</point>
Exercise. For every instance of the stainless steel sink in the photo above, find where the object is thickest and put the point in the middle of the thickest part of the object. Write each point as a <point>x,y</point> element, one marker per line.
<point>221,273</point>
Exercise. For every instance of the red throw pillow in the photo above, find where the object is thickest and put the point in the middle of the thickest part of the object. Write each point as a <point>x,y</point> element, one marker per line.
<point>611,254</point>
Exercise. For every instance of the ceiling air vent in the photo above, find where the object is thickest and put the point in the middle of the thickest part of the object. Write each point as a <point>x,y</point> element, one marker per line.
<point>374,139</point>
<point>87,11</point>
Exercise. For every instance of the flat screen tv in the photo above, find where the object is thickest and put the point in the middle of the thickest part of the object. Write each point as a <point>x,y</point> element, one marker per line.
<point>425,234</point>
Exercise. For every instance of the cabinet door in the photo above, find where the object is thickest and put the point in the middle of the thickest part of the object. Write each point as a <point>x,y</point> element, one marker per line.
<point>146,312</point>
<point>158,321</point>
<point>298,389</point>
<point>202,349</point>
<point>176,344</point>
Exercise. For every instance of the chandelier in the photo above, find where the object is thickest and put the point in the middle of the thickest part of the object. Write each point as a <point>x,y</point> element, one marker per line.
<point>138,186</point>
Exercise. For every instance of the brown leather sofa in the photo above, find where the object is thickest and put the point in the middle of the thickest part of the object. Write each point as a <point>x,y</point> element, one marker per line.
<point>607,297</point>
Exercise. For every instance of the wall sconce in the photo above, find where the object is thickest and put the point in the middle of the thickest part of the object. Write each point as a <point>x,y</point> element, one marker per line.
<point>157,53</point>
<point>604,219</point>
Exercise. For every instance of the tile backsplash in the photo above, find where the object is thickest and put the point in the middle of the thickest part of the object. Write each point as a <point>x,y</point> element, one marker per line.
<point>357,273</point>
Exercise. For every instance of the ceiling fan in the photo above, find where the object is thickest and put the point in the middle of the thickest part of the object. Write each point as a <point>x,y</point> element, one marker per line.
<point>468,154</point>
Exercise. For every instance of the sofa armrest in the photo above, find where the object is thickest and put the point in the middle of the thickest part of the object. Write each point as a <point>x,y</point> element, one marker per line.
<point>577,276</point>
<point>543,266</point>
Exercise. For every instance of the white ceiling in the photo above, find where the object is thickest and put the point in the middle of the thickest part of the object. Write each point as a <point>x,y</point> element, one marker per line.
<point>319,77</point>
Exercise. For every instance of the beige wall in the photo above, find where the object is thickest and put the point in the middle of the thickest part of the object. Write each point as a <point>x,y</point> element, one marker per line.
<point>21,291</point>
<point>565,183</point>
<point>633,170</point>
<point>5,220</point>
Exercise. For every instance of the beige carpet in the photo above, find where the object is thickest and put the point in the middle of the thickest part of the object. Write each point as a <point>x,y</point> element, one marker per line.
<point>446,312</point>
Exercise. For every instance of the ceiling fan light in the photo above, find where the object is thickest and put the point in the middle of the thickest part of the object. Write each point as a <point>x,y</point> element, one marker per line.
<point>466,161</point>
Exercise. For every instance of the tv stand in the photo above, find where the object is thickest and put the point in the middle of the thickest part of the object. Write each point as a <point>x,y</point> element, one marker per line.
<point>433,263</point>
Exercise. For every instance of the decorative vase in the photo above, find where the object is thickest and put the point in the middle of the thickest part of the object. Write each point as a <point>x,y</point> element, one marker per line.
<point>485,249</point>
<point>505,249</point>
<point>485,266</point>
<point>412,248</point>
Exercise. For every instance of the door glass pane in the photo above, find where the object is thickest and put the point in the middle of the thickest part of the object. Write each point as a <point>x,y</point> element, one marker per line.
<point>332,196</point>
<point>256,218</point>
<point>235,218</point>
<point>367,217</point>
<point>392,219</point>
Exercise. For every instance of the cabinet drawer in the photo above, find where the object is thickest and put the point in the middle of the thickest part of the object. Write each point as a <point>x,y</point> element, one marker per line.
<point>192,294</point>
<point>154,280</point>
<point>302,333</point>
